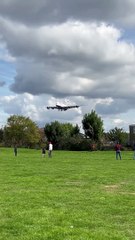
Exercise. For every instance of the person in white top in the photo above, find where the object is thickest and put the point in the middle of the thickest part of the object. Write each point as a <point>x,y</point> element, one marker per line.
<point>50,149</point>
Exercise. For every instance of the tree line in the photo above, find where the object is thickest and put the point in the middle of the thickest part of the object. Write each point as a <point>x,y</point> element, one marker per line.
<point>24,132</point>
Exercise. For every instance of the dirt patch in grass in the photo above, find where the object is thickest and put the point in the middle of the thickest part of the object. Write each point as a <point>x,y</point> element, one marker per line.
<point>116,188</point>
<point>127,193</point>
<point>111,188</point>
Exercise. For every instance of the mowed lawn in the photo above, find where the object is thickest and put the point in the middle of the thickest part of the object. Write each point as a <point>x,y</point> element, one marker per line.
<point>72,196</point>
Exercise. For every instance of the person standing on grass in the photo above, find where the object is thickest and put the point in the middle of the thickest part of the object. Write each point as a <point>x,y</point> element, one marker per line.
<point>15,150</point>
<point>118,151</point>
<point>50,149</point>
<point>134,151</point>
<point>43,151</point>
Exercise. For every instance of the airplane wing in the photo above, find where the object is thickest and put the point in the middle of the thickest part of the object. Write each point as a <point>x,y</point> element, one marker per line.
<point>51,107</point>
<point>63,108</point>
<point>76,106</point>
<point>58,107</point>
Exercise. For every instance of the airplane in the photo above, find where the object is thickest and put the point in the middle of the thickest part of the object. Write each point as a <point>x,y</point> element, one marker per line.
<point>63,108</point>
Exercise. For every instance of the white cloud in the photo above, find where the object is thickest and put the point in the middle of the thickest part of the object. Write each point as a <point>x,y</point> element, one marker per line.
<point>118,121</point>
<point>90,58</point>
<point>68,49</point>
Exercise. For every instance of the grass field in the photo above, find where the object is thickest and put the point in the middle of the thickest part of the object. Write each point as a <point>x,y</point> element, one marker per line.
<point>72,196</point>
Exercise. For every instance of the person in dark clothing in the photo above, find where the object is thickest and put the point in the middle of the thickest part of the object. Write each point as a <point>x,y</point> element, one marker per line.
<point>43,152</point>
<point>134,151</point>
<point>15,150</point>
<point>118,151</point>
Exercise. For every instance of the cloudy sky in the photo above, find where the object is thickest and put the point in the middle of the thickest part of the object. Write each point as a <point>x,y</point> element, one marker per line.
<point>68,52</point>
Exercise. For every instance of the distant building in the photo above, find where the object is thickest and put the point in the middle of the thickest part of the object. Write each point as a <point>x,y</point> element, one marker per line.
<point>132,134</point>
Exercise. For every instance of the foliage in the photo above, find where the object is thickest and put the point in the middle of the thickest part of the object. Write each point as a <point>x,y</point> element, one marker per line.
<point>58,132</point>
<point>118,134</point>
<point>22,131</point>
<point>1,135</point>
<point>43,141</point>
<point>93,126</point>
<point>53,132</point>
<point>75,143</point>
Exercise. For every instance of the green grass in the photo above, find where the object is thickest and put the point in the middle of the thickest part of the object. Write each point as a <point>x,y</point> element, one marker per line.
<point>72,196</point>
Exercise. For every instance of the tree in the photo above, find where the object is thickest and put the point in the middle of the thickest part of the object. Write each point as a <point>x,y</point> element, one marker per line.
<point>75,131</point>
<point>57,132</point>
<point>53,132</point>
<point>1,135</point>
<point>93,126</point>
<point>22,131</point>
<point>118,134</point>
<point>69,130</point>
